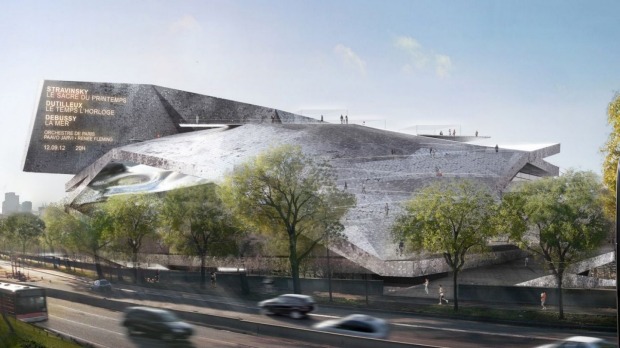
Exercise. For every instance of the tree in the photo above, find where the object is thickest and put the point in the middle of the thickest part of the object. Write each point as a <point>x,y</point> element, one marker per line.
<point>90,234</point>
<point>612,153</point>
<point>453,218</point>
<point>198,224</point>
<point>4,233</point>
<point>24,228</point>
<point>285,193</point>
<point>560,219</point>
<point>133,218</point>
<point>57,225</point>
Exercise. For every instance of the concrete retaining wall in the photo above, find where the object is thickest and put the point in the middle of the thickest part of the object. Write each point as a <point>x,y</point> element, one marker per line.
<point>597,298</point>
<point>309,285</point>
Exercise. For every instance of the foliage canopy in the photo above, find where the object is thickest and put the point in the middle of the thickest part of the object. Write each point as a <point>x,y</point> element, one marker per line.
<point>198,225</point>
<point>453,218</point>
<point>560,219</point>
<point>287,194</point>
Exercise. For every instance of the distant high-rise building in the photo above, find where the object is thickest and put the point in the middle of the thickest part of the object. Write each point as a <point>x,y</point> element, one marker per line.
<point>11,203</point>
<point>26,207</point>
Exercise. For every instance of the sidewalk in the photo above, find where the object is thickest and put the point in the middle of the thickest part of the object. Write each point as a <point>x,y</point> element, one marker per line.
<point>507,274</point>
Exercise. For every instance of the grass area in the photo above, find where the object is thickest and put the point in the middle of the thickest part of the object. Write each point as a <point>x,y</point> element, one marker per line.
<point>527,316</point>
<point>29,336</point>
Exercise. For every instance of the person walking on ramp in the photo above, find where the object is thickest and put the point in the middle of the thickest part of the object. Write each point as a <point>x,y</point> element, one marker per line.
<point>442,298</point>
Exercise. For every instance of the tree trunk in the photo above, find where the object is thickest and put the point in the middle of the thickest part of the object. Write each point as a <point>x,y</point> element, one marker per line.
<point>98,266</point>
<point>294,263</point>
<point>203,271</point>
<point>455,290</point>
<point>559,279</point>
<point>134,259</point>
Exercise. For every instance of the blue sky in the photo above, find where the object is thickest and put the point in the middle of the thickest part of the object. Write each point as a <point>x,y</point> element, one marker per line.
<point>518,71</point>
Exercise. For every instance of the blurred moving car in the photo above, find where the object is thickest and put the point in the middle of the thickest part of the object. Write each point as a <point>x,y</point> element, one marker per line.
<point>294,305</point>
<point>156,322</point>
<point>580,342</point>
<point>101,285</point>
<point>356,324</point>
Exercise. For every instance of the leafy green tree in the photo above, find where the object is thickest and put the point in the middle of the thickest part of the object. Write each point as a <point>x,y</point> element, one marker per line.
<point>4,234</point>
<point>453,218</point>
<point>560,219</point>
<point>90,234</point>
<point>78,231</point>
<point>285,193</point>
<point>133,218</point>
<point>57,225</point>
<point>611,149</point>
<point>198,224</point>
<point>24,228</point>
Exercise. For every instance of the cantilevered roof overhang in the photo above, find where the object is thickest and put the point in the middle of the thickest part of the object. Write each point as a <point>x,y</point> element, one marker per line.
<point>381,168</point>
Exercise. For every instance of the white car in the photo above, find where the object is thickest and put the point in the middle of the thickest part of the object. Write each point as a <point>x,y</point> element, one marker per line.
<point>357,325</point>
<point>580,342</point>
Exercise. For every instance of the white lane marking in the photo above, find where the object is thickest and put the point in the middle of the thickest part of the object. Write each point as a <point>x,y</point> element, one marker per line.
<point>90,314</point>
<point>90,326</point>
<point>81,339</point>
<point>472,331</point>
<point>452,330</point>
<point>325,316</point>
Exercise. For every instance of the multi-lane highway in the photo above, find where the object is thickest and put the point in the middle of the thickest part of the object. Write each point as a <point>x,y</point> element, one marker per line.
<point>101,327</point>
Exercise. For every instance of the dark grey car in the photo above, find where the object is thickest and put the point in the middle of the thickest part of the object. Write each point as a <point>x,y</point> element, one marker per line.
<point>156,322</point>
<point>294,305</point>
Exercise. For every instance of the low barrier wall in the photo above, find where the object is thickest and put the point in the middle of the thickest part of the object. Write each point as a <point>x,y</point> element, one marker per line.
<point>586,298</point>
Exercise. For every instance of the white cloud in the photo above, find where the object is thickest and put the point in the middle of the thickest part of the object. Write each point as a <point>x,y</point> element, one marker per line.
<point>185,23</point>
<point>414,50</point>
<point>443,65</point>
<point>420,58</point>
<point>350,58</point>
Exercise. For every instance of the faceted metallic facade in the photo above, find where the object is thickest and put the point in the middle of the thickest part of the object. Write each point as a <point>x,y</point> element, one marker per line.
<point>381,168</point>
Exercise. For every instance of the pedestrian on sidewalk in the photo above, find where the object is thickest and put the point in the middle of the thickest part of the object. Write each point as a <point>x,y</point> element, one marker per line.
<point>426,282</point>
<point>543,299</point>
<point>441,296</point>
<point>213,284</point>
<point>526,260</point>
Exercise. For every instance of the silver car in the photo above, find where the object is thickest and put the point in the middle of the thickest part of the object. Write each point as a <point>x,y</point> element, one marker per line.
<point>580,342</point>
<point>356,324</point>
<point>101,285</point>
